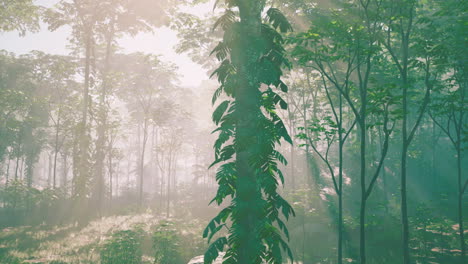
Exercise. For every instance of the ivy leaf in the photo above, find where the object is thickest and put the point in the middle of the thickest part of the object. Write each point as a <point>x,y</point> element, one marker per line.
<point>216,95</point>
<point>213,250</point>
<point>278,20</point>
<point>221,50</point>
<point>226,20</point>
<point>219,112</point>
<point>282,132</point>
<point>283,87</point>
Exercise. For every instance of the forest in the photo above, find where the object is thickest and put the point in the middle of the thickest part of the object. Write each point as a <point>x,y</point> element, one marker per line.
<point>234,131</point>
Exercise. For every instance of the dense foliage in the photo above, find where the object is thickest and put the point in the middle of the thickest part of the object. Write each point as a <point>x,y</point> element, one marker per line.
<point>122,247</point>
<point>166,244</point>
<point>251,56</point>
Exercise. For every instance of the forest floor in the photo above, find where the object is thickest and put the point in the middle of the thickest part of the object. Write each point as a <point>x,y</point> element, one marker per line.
<point>70,244</point>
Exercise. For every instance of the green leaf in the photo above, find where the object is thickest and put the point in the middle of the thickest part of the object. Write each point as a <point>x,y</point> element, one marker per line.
<point>216,95</point>
<point>278,20</point>
<point>226,20</point>
<point>213,250</point>
<point>219,111</point>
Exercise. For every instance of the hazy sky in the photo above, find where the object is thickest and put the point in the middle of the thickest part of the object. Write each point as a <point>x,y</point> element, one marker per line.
<point>162,42</point>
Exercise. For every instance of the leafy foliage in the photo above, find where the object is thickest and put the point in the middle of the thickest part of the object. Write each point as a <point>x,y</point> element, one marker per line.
<point>20,15</point>
<point>124,247</point>
<point>252,183</point>
<point>166,244</point>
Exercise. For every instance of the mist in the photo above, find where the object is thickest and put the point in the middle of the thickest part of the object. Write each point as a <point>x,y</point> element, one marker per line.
<point>249,132</point>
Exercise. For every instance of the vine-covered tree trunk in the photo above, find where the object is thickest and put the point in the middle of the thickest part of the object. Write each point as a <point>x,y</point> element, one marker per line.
<point>247,111</point>
<point>252,56</point>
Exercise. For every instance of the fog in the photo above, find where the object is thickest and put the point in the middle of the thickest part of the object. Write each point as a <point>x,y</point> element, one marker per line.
<point>250,132</point>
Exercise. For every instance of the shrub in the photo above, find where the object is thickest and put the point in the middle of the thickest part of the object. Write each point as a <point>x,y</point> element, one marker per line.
<point>166,244</point>
<point>124,247</point>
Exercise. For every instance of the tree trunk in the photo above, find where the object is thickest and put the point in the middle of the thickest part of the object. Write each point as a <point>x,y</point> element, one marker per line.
<point>56,150</point>
<point>50,168</point>
<point>247,100</point>
<point>461,230</point>
<point>102,124</point>
<point>168,200</point>
<point>109,158</point>
<point>142,161</point>
<point>404,209</point>
<point>174,176</point>
<point>404,157</point>
<point>81,206</point>
<point>117,179</point>
<point>16,167</point>
<point>21,174</point>
<point>339,192</point>
<point>63,183</point>
<point>291,128</point>
<point>7,172</point>
<point>362,216</point>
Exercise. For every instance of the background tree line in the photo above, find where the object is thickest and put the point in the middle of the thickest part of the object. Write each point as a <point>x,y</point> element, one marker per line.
<point>376,114</point>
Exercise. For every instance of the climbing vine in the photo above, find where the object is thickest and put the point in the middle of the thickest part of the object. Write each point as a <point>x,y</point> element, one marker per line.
<point>251,57</point>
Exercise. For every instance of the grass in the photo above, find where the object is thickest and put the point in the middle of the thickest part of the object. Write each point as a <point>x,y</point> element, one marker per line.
<point>66,244</point>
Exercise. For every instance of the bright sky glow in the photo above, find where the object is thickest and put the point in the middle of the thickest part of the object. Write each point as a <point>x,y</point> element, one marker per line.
<point>161,42</point>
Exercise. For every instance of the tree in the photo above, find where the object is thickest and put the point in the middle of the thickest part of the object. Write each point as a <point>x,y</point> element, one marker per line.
<point>251,56</point>
<point>147,81</point>
<point>197,39</point>
<point>19,15</point>
<point>166,155</point>
<point>400,27</point>
<point>449,103</point>
<point>55,76</point>
<point>342,46</point>
<point>117,18</point>
<point>82,16</point>
<point>326,131</point>
<point>23,112</point>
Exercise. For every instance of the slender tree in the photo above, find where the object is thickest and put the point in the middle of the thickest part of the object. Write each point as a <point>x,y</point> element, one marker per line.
<point>349,67</point>
<point>117,18</point>
<point>445,44</point>
<point>399,36</point>
<point>82,16</point>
